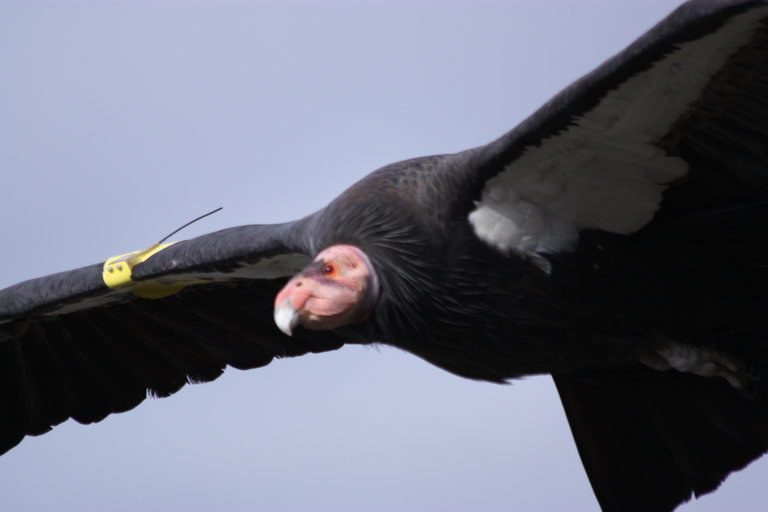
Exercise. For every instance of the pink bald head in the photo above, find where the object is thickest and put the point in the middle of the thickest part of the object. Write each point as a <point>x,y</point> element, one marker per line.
<point>339,288</point>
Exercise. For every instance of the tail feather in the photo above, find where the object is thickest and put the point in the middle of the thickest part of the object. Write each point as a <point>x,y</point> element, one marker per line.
<point>649,440</point>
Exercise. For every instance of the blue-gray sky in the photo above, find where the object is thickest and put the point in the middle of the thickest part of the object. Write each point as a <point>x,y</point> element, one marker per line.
<point>120,120</point>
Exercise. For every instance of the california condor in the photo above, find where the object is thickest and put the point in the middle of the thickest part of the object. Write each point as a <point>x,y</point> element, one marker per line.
<point>591,253</point>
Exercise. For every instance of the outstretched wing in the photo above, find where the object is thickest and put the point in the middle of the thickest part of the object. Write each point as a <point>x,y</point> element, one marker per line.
<point>72,346</point>
<point>683,105</point>
<point>671,130</point>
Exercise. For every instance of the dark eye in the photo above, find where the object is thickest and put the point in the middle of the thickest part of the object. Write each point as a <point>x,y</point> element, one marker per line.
<point>329,270</point>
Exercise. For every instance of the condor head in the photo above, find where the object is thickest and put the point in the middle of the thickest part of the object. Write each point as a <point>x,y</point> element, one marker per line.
<point>338,288</point>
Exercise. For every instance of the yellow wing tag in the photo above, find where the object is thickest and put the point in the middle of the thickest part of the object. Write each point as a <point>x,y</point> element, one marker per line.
<point>117,274</point>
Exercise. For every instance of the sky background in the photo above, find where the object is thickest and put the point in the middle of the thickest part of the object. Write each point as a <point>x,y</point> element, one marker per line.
<point>122,120</point>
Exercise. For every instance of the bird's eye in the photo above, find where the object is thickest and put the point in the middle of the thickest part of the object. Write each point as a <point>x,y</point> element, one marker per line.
<point>329,270</point>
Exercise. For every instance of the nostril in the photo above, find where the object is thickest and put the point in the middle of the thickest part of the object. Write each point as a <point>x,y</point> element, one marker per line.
<point>298,284</point>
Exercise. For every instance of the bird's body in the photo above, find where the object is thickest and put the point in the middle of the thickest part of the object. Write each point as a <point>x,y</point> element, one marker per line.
<point>455,301</point>
<point>614,239</point>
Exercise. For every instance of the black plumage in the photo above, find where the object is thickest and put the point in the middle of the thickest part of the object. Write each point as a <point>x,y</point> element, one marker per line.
<point>598,307</point>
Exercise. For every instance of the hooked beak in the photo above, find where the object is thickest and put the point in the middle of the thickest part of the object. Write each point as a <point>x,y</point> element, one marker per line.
<point>286,317</point>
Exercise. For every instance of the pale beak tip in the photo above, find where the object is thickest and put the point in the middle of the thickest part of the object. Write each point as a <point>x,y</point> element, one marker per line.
<point>286,317</point>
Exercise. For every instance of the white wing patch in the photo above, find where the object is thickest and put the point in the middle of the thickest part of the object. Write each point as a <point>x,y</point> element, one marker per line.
<point>281,265</point>
<point>606,171</point>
